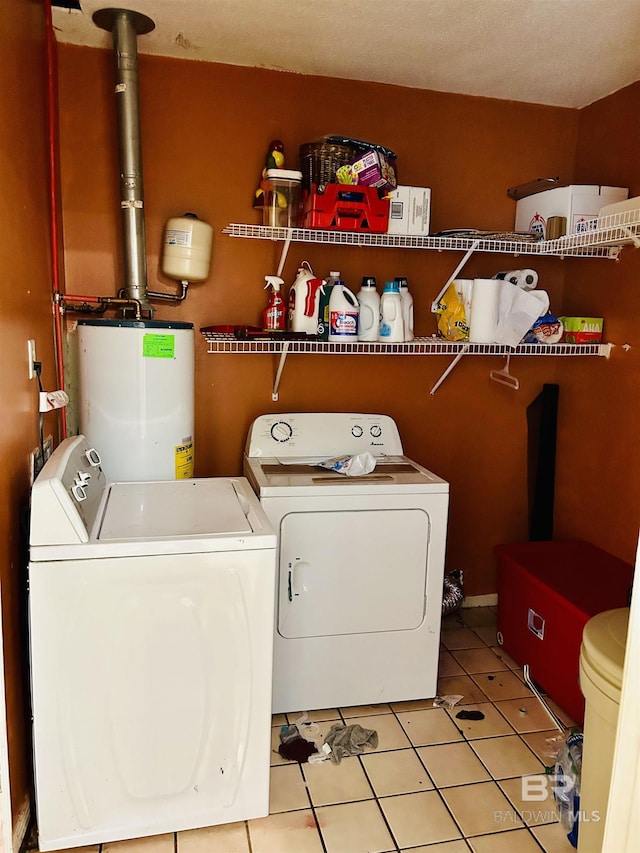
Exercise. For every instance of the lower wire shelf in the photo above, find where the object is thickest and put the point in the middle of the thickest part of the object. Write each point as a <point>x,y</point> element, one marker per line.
<point>228,343</point>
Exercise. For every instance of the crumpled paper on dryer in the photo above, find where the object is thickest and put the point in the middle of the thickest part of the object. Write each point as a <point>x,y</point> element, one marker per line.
<point>351,466</point>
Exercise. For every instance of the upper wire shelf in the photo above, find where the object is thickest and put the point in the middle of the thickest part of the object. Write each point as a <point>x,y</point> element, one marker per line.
<point>221,343</point>
<point>605,239</point>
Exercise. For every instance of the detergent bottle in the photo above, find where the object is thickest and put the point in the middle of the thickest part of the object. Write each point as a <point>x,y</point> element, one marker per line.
<point>323,310</point>
<point>407,308</point>
<point>391,322</point>
<point>274,315</point>
<point>304,301</point>
<point>343,314</point>
<point>369,317</point>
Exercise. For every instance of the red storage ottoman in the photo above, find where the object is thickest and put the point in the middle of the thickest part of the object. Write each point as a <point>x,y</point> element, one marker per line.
<point>547,591</point>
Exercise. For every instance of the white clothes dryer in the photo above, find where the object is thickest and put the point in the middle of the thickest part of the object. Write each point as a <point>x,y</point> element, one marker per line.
<point>151,623</point>
<point>360,561</point>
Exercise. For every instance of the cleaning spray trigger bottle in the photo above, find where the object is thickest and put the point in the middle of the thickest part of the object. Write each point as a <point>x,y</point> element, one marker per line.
<point>274,315</point>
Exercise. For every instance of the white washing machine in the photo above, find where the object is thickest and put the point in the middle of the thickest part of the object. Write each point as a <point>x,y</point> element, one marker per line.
<point>151,623</point>
<point>360,561</point>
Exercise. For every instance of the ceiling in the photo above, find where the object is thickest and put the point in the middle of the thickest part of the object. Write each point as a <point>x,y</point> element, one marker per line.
<point>565,53</point>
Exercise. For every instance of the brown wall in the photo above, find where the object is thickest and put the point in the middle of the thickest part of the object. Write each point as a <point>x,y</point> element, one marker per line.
<point>205,129</point>
<point>599,484</point>
<point>25,312</point>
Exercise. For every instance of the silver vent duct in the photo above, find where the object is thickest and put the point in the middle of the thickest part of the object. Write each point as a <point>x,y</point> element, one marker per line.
<point>125,25</point>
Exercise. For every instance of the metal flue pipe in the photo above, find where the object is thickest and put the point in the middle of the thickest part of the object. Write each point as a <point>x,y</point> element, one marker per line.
<point>125,25</point>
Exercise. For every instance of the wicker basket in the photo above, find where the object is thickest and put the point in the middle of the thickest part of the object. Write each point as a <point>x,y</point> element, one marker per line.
<point>319,162</point>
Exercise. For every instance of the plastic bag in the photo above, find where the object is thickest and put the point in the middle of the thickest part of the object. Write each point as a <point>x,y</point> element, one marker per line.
<point>566,791</point>
<point>452,592</point>
<point>351,466</point>
<point>546,330</point>
<point>453,323</point>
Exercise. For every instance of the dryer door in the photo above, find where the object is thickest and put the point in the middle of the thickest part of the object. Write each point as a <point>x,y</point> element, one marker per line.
<point>352,571</point>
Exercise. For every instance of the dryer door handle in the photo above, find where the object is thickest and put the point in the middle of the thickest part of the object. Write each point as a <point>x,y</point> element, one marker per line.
<point>299,579</point>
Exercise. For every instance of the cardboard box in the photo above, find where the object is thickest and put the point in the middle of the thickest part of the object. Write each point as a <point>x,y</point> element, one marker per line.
<point>371,169</point>
<point>581,330</point>
<point>409,210</point>
<point>547,591</point>
<point>579,204</point>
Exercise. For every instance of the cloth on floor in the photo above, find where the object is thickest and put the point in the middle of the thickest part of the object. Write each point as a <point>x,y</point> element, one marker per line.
<point>297,749</point>
<point>294,746</point>
<point>349,740</point>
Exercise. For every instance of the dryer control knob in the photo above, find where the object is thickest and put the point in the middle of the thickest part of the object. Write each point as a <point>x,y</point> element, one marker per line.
<point>281,431</point>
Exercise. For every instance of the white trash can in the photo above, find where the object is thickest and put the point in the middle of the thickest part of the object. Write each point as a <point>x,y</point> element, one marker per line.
<point>602,652</point>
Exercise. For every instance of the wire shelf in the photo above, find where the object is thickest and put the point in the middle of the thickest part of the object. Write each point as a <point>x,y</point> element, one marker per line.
<point>605,239</point>
<point>228,343</point>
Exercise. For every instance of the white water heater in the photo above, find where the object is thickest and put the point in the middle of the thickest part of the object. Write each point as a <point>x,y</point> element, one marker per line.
<point>136,391</point>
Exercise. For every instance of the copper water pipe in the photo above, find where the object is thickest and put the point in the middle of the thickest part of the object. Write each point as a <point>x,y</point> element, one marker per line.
<point>105,302</point>
<point>52,133</point>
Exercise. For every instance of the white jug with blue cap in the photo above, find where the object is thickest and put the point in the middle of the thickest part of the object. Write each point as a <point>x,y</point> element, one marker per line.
<point>391,322</point>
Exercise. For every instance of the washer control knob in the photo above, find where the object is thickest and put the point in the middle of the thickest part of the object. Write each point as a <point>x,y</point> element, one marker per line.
<point>94,457</point>
<point>357,431</point>
<point>376,431</point>
<point>78,492</point>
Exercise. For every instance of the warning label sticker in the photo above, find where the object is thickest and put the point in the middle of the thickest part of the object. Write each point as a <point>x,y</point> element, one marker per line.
<point>184,461</point>
<point>158,346</point>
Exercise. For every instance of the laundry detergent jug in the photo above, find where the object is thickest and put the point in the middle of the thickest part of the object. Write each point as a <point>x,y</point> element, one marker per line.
<point>391,322</point>
<point>407,308</point>
<point>343,314</point>
<point>369,317</point>
<point>323,310</point>
<point>304,301</point>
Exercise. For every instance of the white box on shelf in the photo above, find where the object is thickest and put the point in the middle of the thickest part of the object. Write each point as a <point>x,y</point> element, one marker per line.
<point>409,210</point>
<point>399,210</point>
<point>579,204</point>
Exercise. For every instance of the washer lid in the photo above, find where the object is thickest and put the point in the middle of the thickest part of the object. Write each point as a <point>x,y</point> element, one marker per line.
<point>171,509</point>
<point>604,641</point>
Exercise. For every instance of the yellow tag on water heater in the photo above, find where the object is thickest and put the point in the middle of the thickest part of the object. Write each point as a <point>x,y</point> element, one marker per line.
<point>184,461</point>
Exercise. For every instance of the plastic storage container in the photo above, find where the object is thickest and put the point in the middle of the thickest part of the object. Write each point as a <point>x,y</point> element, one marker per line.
<point>320,161</point>
<point>547,592</point>
<point>281,202</point>
<point>601,665</point>
<point>346,208</point>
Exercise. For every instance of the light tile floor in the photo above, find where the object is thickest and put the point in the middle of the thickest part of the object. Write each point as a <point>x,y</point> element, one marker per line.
<point>435,784</point>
